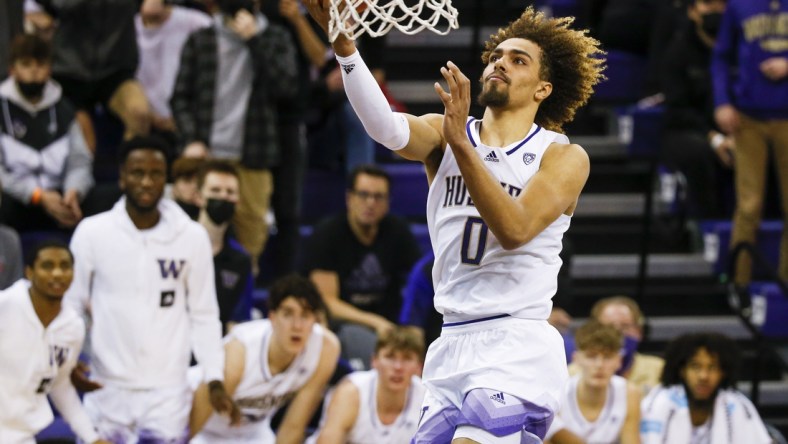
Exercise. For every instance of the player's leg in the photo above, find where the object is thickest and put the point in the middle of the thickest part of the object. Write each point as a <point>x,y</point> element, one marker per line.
<point>111,410</point>
<point>165,418</point>
<point>495,417</point>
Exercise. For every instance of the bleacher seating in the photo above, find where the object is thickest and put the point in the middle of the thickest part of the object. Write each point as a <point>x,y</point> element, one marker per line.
<point>717,237</point>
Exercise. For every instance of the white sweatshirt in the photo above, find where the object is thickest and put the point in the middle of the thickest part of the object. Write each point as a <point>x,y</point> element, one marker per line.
<point>150,295</point>
<point>36,362</point>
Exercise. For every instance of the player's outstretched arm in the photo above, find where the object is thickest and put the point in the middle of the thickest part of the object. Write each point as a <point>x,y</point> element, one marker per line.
<point>293,426</point>
<point>202,409</point>
<point>412,137</point>
<point>630,431</point>
<point>341,414</point>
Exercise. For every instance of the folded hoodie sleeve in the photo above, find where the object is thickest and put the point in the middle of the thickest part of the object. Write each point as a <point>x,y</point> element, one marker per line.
<point>206,328</point>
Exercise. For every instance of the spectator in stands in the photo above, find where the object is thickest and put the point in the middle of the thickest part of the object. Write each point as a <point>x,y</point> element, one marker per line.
<point>45,165</point>
<point>751,107</point>
<point>359,261</point>
<point>598,406</point>
<point>288,176</point>
<point>382,405</point>
<point>624,314</point>
<point>692,143</point>
<point>235,118</point>
<point>40,342</point>
<point>162,30</point>
<point>336,132</point>
<point>184,190</point>
<point>10,25</point>
<point>143,273</point>
<point>623,25</point>
<point>696,400</point>
<point>218,196</point>
<point>95,58</point>
<point>287,357</point>
<point>10,256</point>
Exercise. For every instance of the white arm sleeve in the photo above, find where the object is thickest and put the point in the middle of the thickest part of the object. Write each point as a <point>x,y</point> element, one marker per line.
<point>386,127</point>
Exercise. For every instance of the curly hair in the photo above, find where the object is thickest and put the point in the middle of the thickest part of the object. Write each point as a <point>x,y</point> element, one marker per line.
<point>683,348</point>
<point>571,60</point>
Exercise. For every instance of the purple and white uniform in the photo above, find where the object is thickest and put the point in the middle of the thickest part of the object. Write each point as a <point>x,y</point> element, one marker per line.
<point>498,365</point>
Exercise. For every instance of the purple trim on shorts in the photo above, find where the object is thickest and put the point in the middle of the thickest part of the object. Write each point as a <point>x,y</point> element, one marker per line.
<point>473,321</point>
<point>496,412</point>
<point>502,414</point>
<point>151,437</point>
<point>438,429</point>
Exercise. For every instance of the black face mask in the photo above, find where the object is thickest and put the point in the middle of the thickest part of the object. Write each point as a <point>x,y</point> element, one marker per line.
<point>192,210</point>
<point>710,23</point>
<point>31,90</point>
<point>231,7</point>
<point>220,210</point>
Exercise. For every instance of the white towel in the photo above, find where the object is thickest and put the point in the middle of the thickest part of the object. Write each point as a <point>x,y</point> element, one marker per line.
<point>665,418</point>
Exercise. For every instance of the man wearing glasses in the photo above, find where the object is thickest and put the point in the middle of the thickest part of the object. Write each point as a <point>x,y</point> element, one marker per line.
<point>359,261</point>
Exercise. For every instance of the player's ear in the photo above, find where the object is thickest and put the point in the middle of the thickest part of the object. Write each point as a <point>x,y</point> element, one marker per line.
<point>543,90</point>
<point>28,272</point>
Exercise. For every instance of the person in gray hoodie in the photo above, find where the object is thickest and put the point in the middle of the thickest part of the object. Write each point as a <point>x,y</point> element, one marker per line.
<point>45,166</point>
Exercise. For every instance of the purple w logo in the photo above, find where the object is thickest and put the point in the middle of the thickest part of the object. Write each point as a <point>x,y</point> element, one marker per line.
<point>171,267</point>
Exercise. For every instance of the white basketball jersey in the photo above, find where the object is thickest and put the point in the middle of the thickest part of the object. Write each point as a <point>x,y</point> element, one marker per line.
<point>474,276</point>
<point>260,394</point>
<point>607,427</point>
<point>368,428</point>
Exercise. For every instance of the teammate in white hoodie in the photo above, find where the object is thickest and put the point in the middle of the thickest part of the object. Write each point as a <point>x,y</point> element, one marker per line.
<point>144,274</point>
<point>40,343</point>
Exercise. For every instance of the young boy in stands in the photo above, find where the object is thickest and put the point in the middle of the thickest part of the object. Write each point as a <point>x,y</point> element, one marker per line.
<point>598,406</point>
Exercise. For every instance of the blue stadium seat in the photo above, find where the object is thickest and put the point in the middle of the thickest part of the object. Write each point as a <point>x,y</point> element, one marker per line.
<point>717,237</point>
<point>769,309</point>
<point>626,78</point>
<point>422,235</point>
<point>324,194</point>
<point>409,189</point>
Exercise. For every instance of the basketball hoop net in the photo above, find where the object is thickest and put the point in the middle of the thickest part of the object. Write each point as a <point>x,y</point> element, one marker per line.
<point>355,17</point>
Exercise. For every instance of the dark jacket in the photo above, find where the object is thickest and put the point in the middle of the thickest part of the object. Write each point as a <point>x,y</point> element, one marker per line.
<point>273,56</point>
<point>94,38</point>
<point>686,83</point>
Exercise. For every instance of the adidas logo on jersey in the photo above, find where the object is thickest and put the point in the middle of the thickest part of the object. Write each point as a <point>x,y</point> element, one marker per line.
<point>498,397</point>
<point>348,68</point>
<point>492,157</point>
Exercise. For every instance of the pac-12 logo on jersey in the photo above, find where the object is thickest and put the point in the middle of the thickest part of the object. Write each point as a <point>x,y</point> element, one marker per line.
<point>171,267</point>
<point>528,158</point>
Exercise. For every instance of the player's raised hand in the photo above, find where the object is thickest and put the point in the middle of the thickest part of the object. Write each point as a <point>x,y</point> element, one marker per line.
<point>222,403</point>
<point>457,103</point>
<point>318,9</point>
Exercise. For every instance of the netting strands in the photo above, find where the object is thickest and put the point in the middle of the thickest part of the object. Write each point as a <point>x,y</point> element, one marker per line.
<point>355,17</point>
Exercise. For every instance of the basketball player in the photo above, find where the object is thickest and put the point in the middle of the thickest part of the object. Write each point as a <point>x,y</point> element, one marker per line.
<point>502,192</point>
<point>40,342</point>
<point>598,406</point>
<point>143,273</point>
<point>269,362</point>
<point>381,405</point>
